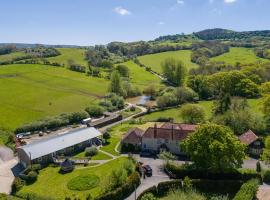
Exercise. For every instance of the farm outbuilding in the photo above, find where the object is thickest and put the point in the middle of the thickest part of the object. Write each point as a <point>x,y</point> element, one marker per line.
<point>44,151</point>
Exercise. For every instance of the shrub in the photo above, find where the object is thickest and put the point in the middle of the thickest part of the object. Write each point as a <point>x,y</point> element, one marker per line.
<point>95,111</point>
<point>258,167</point>
<point>132,108</point>
<point>266,176</point>
<point>32,177</point>
<point>129,166</point>
<point>248,190</point>
<point>91,151</point>
<point>151,190</point>
<point>187,184</point>
<point>83,182</point>
<point>148,196</point>
<point>17,184</point>
<point>165,187</point>
<point>36,167</point>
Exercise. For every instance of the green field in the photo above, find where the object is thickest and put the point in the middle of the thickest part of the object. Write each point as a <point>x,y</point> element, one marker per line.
<point>31,92</point>
<point>154,60</point>
<point>100,156</point>
<point>207,105</point>
<point>140,77</point>
<point>11,56</point>
<point>51,183</point>
<point>78,55</point>
<point>241,55</point>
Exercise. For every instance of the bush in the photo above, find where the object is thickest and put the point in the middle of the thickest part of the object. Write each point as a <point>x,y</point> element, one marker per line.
<point>266,176</point>
<point>32,177</point>
<point>132,108</point>
<point>148,196</point>
<point>91,151</point>
<point>151,190</point>
<point>258,167</point>
<point>36,167</point>
<point>17,185</point>
<point>248,190</point>
<point>95,111</point>
<point>165,187</point>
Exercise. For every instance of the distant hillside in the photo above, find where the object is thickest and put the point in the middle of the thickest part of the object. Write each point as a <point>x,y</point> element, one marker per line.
<point>218,33</point>
<point>26,45</point>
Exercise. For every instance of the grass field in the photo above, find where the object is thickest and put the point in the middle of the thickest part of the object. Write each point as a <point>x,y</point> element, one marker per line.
<point>50,183</point>
<point>11,56</point>
<point>70,53</point>
<point>31,92</point>
<point>207,105</point>
<point>154,60</point>
<point>100,156</point>
<point>241,55</point>
<point>117,133</point>
<point>140,77</point>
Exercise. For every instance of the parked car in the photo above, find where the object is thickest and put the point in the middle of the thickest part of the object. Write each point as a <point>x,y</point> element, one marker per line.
<point>147,170</point>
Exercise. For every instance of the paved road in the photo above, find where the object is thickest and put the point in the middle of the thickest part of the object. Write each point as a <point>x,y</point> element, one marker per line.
<point>264,192</point>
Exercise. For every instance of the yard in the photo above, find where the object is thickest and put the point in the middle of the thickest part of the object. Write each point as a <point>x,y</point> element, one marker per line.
<point>31,92</point>
<point>155,60</point>
<point>100,156</point>
<point>51,183</point>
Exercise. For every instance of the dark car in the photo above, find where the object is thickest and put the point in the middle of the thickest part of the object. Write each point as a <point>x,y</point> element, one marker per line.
<point>147,170</point>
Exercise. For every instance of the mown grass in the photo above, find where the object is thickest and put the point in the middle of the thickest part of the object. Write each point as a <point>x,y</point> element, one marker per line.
<point>241,55</point>
<point>11,56</point>
<point>51,183</point>
<point>78,55</point>
<point>174,113</point>
<point>140,77</point>
<point>31,92</point>
<point>155,60</point>
<point>100,156</point>
<point>118,131</point>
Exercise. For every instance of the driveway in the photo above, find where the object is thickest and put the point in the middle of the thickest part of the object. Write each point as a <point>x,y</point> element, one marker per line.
<point>158,176</point>
<point>7,164</point>
<point>264,192</point>
<point>251,164</point>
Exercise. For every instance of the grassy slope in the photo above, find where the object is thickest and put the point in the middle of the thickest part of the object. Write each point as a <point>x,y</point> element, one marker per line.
<point>207,105</point>
<point>11,56</point>
<point>53,184</point>
<point>242,55</point>
<point>30,92</point>
<point>154,60</point>
<point>70,53</point>
<point>140,77</point>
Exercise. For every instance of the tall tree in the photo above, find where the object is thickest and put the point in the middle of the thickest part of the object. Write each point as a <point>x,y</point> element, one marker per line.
<point>214,147</point>
<point>192,113</point>
<point>116,83</point>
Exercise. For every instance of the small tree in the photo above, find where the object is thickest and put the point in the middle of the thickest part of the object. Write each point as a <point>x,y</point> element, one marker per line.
<point>258,167</point>
<point>116,83</point>
<point>192,113</point>
<point>91,151</point>
<point>95,111</point>
<point>167,156</point>
<point>187,184</point>
<point>150,91</point>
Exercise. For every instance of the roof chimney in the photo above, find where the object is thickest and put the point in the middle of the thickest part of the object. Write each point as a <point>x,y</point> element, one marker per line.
<point>155,130</point>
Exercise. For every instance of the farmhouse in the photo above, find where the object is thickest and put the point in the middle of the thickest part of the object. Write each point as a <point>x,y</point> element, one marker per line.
<point>155,139</point>
<point>44,151</point>
<point>253,142</point>
<point>133,138</point>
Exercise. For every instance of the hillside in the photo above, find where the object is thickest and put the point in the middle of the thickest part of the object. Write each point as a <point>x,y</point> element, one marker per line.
<point>30,92</point>
<point>11,56</point>
<point>155,60</point>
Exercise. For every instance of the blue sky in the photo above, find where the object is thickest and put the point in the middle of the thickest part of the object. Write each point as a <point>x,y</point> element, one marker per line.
<point>88,22</point>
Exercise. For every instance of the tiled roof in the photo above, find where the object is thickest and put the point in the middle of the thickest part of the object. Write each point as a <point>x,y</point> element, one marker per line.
<point>133,136</point>
<point>248,137</point>
<point>185,127</point>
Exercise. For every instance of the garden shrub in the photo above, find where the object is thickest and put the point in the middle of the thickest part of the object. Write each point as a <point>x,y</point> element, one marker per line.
<point>266,176</point>
<point>91,151</point>
<point>95,111</point>
<point>32,177</point>
<point>152,190</point>
<point>148,196</point>
<point>248,190</point>
<point>17,184</point>
<point>83,182</point>
<point>165,187</point>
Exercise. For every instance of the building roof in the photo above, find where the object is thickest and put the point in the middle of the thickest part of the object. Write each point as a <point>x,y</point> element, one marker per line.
<point>184,127</point>
<point>133,136</point>
<point>248,138</point>
<point>59,142</point>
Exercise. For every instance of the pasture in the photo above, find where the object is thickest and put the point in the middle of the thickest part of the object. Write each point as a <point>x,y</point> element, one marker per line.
<point>155,60</point>
<point>51,183</point>
<point>242,55</point>
<point>78,55</point>
<point>11,56</point>
<point>31,92</point>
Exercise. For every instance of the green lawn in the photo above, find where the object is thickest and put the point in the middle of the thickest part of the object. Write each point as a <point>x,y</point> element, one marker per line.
<point>11,56</point>
<point>207,105</point>
<point>78,55</point>
<point>50,183</point>
<point>31,92</point>
<point>140,77</point>
<point>127,113</point>
<point>117,133</point>
<point>99,156</point>
<point>154,60</point>
<point>241,55</point>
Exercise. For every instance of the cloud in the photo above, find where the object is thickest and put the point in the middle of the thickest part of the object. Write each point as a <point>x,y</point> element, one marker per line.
<point>181,2</point>
<point>122,11</point>
<point>229,1</point>
<point>161,23</point>
<point>211,1</point>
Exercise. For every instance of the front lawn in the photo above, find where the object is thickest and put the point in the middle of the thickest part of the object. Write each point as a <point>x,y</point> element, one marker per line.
<point>100,156</point>
<point>52,184</point>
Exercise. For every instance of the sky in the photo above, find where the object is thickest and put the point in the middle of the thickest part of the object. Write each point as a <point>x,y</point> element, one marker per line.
<point>89,22</point>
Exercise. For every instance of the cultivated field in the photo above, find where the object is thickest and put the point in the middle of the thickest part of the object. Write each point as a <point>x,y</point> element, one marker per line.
<point>31,92</point>
<point>77,55</point>
<point>51,183</point>
<point>154,60</point>
<point>241,55</point>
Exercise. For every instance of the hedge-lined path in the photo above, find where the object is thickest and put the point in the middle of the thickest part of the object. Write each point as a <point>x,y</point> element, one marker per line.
<point>158,176</point>
<point>264,192</point>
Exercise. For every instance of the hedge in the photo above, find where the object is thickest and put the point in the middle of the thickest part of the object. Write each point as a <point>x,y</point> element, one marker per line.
<point>181,172</point>
<point>248,190</point>
<point>266,176</point>
<point>124,191</point>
